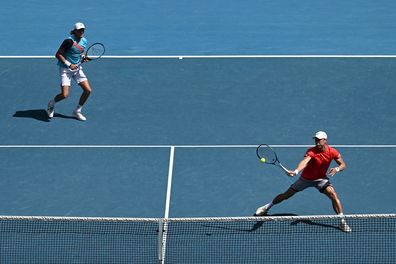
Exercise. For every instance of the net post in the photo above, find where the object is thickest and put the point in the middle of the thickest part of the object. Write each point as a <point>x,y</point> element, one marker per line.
<point>160,237</point>
<point>164,239</point>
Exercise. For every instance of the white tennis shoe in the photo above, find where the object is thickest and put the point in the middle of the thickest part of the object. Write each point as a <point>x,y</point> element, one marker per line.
<point>51,109</point>
<point>79,116</point>
<point>344,226</point>
<point>263,210</point>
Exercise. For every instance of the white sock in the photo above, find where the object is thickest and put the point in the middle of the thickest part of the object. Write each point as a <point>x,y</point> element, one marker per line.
<point>79,107</point>
<point>343,221</point>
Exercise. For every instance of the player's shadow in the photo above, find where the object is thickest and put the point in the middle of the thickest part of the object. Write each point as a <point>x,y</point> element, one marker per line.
<point>258,224</point>
<point>218,226</point>
<point>39,114</point>
<point>213,228</point>
<point>313,223</point>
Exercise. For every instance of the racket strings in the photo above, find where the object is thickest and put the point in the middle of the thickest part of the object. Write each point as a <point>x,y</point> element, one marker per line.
<point>95,51</point>
<point>268,154</point>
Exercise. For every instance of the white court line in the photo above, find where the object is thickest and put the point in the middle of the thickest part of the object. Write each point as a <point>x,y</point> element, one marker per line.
<point>206,56</point>
<point>164,226</point>
<point>28,57</point>
<point>169,188</point>
<point>247,56</point>
<point>195,146</point>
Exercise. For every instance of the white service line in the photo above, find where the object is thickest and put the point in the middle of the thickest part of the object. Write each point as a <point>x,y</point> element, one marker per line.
<point>206,56</point>
<point>198,146</point>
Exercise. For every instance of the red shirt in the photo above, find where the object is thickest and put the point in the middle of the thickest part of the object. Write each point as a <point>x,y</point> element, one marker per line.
<point>319,164</point>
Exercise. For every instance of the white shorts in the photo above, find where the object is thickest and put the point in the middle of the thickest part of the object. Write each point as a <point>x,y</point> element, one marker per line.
<point>66,75</point>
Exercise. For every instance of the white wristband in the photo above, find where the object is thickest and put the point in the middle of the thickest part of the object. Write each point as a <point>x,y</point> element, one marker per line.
<point>67,63</point>
<point>296,171</point>
<point>337,169</point>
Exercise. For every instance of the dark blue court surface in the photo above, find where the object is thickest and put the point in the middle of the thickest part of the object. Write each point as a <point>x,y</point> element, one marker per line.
<point>204,101</point>
<point>85,182</point>
<point>193,102</point>
<point>224,182</point>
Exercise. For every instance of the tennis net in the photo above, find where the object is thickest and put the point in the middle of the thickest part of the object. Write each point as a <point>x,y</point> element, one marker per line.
<point>270,239</point>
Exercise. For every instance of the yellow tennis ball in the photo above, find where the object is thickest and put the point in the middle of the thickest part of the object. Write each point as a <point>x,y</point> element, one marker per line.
<point>262,160</point>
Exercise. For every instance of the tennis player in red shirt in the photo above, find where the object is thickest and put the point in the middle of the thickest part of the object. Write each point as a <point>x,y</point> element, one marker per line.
<point>314,169</point>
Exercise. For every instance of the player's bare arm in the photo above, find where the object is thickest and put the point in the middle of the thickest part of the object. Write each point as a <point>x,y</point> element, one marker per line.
<point>341,166</point>
<point>301,166</point>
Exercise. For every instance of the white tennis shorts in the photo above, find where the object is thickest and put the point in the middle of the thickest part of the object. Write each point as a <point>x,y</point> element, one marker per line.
<point>66,75</point>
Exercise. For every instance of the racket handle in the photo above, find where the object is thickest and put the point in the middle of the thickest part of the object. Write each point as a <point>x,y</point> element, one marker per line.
<point>78,67</point>
<point>283,168</point>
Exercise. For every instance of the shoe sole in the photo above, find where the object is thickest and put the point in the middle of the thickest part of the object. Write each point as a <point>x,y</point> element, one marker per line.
<point>80,119</point>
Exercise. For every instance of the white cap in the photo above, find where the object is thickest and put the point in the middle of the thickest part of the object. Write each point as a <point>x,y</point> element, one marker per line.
<point>79,25</point>
<point>320,135</point>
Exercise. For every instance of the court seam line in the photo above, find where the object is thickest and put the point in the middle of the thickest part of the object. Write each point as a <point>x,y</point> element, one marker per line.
<point>203,56</point>
<point>198,146</point>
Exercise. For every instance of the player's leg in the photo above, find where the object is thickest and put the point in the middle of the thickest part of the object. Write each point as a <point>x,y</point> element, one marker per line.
<point>330,192</point>
<point>278,199</point>
<point>84,84</point>
<point>284,196</point>
<point>59,97</point>
<point>86,92</point>
<point>63,94</point>
<point>65,78</point>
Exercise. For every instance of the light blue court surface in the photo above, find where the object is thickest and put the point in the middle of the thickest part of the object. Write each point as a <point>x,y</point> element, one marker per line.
<point>153,27</point>
<point>233,101</point>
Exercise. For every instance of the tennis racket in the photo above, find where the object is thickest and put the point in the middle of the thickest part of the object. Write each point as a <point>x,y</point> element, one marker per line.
<point>268,156</point>
<point>94,52</point>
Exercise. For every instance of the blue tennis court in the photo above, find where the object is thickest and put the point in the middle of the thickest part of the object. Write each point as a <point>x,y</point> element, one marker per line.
<point>229,105</point>
<point>176,138</point>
